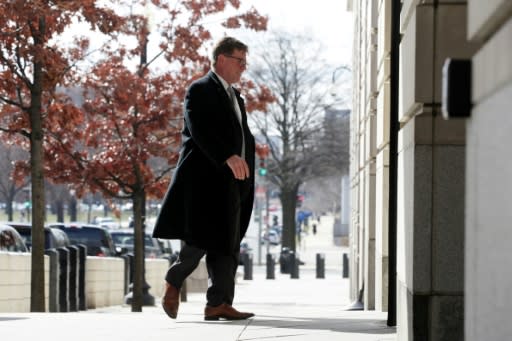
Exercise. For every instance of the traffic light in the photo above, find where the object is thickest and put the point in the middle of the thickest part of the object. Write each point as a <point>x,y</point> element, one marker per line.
<point>300,200</point>
<point>262,151</point>
<point>262,171</point>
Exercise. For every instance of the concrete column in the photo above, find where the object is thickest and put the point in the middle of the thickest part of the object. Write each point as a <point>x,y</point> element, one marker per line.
<point>382,154</point>
<point>431,176</point>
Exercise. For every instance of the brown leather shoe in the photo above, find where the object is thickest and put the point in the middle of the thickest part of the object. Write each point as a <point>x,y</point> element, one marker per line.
<point>171,301</point>
<point>224,311</point>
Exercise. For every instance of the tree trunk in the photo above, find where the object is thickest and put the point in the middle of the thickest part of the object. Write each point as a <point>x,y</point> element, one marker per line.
<point>138,273</point>
<point>37,301</point>
<point>72,208</point>
<point>289,204</point>
<point>59,210</point>
<point>89,211</point>
<point>9,204</point>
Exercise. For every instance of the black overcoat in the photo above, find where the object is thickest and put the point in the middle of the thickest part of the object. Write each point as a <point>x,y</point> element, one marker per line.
<point>203,205</point>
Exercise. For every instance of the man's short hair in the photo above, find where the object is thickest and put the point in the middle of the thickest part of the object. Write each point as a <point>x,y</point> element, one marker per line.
<point>226,46</point>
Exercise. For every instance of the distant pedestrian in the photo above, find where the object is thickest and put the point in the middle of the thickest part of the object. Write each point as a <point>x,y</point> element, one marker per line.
<point>209,202</point>
<point>314,229</point>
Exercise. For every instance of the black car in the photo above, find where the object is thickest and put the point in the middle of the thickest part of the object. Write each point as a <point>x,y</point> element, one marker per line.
<point>124,240</point>
<point>10,240</point>
<point>97,239</point>
<point>53,238</point>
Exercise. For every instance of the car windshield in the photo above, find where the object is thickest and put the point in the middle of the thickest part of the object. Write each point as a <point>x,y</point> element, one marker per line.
<point>26,235</point>
<point>88,236</point>
<point>126,239</point>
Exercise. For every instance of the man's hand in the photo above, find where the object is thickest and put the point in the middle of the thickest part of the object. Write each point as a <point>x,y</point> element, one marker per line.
<point>238,166</point>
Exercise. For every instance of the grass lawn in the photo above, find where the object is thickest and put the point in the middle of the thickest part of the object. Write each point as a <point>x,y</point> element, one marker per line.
<point>52,218</point>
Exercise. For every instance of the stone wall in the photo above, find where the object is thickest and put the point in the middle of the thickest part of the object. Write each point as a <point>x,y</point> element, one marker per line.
<point>431,176</point>
<point>488,279</point>
<point>369,170</point>
<point>104,280</point>
<point>15,281</point>
<point>431,166</point>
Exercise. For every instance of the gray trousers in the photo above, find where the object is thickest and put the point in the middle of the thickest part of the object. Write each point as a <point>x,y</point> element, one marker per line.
<point>221,273</point>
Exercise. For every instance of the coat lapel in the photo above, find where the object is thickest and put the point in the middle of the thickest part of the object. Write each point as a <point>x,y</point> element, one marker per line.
<point>241,105</point>
<point>223,94</point>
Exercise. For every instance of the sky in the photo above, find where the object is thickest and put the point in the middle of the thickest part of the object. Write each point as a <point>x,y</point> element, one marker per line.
<point>326,20</point>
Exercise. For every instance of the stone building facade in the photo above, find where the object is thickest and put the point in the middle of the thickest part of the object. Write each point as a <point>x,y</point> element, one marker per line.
<point>453,213</point>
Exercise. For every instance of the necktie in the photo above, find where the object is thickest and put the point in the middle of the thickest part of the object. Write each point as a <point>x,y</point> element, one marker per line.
<point>234,102</point>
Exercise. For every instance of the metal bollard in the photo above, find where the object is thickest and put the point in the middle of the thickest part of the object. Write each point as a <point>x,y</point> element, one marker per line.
<point>73,278</point>
<point>53,300</point>
<point>82,258</point>
<point>271,273</point>
<point>126,273</point>
<point>63,279</point>
<point>320,265</point>
<point>248,266</point>
<point>284,260</point>
<point>294,265</point>
<point>345,265</point>
<point>131,261</point>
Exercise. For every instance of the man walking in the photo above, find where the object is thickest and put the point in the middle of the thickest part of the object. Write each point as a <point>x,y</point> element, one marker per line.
<point>209,202</point>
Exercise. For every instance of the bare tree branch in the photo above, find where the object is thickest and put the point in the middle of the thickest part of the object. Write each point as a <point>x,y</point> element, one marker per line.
<point>302,144</point>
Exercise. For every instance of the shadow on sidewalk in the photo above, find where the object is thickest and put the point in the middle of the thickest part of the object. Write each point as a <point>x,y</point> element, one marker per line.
<point>339,325</point>
<point>13,318</point>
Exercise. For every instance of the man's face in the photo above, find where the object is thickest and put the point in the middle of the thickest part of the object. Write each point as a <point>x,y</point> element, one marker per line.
<point>231,66</point>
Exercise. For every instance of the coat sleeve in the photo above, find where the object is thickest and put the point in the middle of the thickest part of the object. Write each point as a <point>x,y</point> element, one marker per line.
<point>207,124</point>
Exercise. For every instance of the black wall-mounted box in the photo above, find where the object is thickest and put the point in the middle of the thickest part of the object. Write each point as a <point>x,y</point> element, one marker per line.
<point>456,91</point>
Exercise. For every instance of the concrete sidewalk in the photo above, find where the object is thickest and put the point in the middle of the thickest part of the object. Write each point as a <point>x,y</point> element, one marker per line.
<point>286,309</point>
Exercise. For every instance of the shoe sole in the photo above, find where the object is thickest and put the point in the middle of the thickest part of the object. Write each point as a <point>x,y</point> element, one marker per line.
<point>217,318</point>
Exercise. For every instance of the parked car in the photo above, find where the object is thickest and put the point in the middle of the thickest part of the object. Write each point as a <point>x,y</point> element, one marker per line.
<point>97,239</point>
<point>171,248</point>
<point>107,222</point>
<point>10,240</point>
<point>272,236</point>
<point>124,239</point>
<point>53,237</point>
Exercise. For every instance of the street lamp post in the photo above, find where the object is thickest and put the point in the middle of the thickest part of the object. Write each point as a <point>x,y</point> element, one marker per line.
<point>262,150</point>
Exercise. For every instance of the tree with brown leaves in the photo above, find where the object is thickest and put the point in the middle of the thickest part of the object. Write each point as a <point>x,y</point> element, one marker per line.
<point>131,116</point>
<point>32,65</point>
<point>119,136</point>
